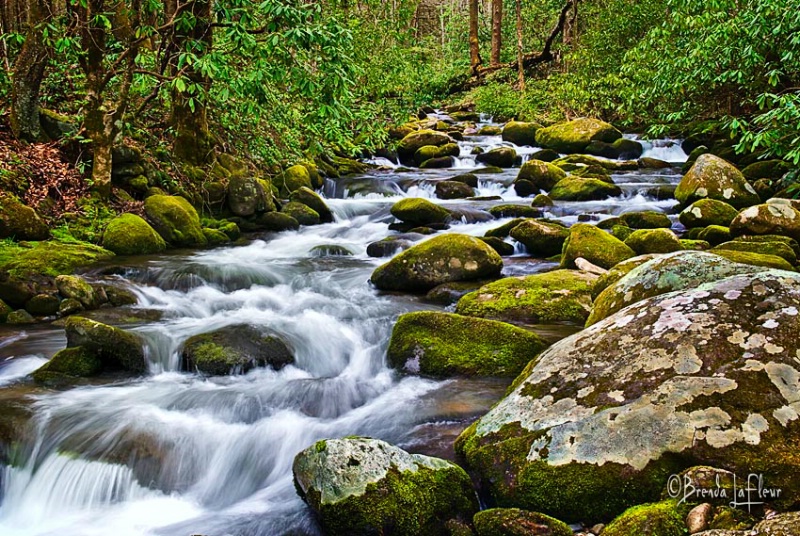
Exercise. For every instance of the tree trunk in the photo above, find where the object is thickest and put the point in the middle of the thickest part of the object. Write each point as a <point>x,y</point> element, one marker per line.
<point>474,44</point>
<point>27,74</point>
<point>520,51</point>
<point>497,31</point>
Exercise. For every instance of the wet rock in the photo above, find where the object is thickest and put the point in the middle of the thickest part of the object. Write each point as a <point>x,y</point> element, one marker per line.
<point>541,239</point>
<point>409,145</point>
<point>695,245</point>
<point>68,365</point>
<point>453,190</point>
<point>622,232</point>
<point>247,195</point>
<point>514,211</point>
<point>502,157</point>
<point>756,259</point>
<point>391,245</point>
<point>693,155</point>
<point>545,155</point>
<point>419,211</point>
<point>440,162</point>
<point>19,317</point>
<point>235,350</point>
<point>575,136</point>
<point>776,248</point>
<point>277,222</point>
<point>766,169</point>
<point>450,293</point>
<point>362,487</point>
<point>621,148</point>
<point>330,250</point>
<point>4,310</point>
<point>311,199</point>
<point>596,165</point>
<point>787,524</point>
<point>128,234</point>
<point>117,349</point>
<point>535,176</point>
<point>520,133</point>
<point>653,163</point>
<point>42,305</point>
<point>707,374</point>
<point>20,221</point>
<point>617,272</point>
<point>594,245</point>
<point>503,248</point>
<point>713,178</point>
<point>69,306</point>
<point>558,296</point>
<point>504,230</point>
<point>215,237</point>
<point>303,214</point>
<point>649,219</point>
<point>582,189</point>
<point>645,241</point>
<point>715,234</point>
<point>470,179</point>
<point>292,179</point>
<point>443,345</point>
<point>775,217</point>
<point>516,522</point>
<point>490,130</point>
<point>705,212</point>
<point>75,287</point>
<point>175,220</point>
<point>657,519</point>
<point>542,200</point>
<point>699,518</point>
<point>442,259</point>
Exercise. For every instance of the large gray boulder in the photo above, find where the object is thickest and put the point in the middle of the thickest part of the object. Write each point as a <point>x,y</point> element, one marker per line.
<point>711,177</point>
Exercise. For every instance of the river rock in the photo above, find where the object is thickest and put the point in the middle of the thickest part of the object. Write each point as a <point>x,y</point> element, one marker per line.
<point>42,305</point>
<point>648,219</point>
<point>116,348</point>
<point>246,196</point>
<point>303,214</point>
<point>714,178</point>
<point>575,136</point>
<point>293,178</point>
<point>20,221</point>
<point>535,176</point>
<point>645,241</point>
<point>442,259</point>
<point>504,230</point>
<point>129,234</point>
<point>699,518</point>
<point>787,524</point>
<point>75,287</point>
<point>705,212</point>
<point>755,259</point>
<point>419,211</point>
<point>469,179</point>
<point>516,522</point>
<point>520,132</point>
<point>558,296</point>
<point>707,375</point>
<point>541,239</point>
<point>596,165</point>
<point>515,211</point>
<point>583,189</point>
<point>618,271</point>
<point>409,145</point>
<point>664,518</point>
<point>235,350</point>
<point>68,365</point>
<point>776,248</point>
<point>503,248</point>
<point>363,487</point>
<point>311,199</point>
<point>594,245</point>
<point>453,190</point>
<point>20,317</point>
<point>175,220</point>
<point>502,157</point>
<point>4,310</point>
<point>621,148</point>
<point>766,169</point>
<point>443,345</point>
<point>774,217</point>
<point>391,245</point>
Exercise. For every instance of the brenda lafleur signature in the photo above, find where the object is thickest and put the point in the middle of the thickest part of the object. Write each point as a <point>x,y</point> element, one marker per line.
<point>743,494</point>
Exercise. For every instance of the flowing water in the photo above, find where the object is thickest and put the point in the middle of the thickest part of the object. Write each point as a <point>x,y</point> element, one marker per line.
<point>174,453</point>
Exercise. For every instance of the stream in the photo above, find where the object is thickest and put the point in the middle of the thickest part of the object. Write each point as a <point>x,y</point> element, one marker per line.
<point>175,453</point>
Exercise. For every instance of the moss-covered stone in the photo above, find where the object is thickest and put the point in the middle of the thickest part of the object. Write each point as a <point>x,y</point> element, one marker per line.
<point>425,153</point>
<point>653,163</point>
<point>503,248</point>
<point>715,234</point>
<point>582,189</point>
<point>20,221</point>
<point>575,136</point>
<point>516,522</point>
<point>75,362</point>
<point>520,132</point>
<point>215,237</point>
<point>621,232</point>
<point>235,350</point>
<point>617,272</point>
<point>277,222</point>
<point>502,157</point>
<point>664,518</point>
<point>442,259</point>
<point>42,305</point>
<point>312,200</point>
<point>541,239</point>
<point>705,212</point>
<point>453,190</point>
<point>713,178</point>
<point>514,211</point>
<point>621,148</point>
<point>419,211</point>
<point>469,179</point>
<point>535,176</point>
<point>490,130</point>
<point>330,250</point>
<point>594,245</point>
<point>71,286</point>
<point>4,310</point>
<point>443,344</point>
<point>129,234</point>
<point>784,524</point>
<point>389,246</point>
<point>596,165</point>
<point>303,214</point>
<point>776,217</point>
<point>20,317</point>
<point>778,249</point>
<point>645,241</point>
<point>363,487</point>
<point>558,296</point>
<point>175,220</point>
<point>730,519</point>
<point>695,245</point>
<point>116,349</point>
<point>248,195</point>
<point>755,259</point>
<point>649,219</point>
<point>542,200</point>
<point>766,169</point>
<point>409,145</point>
<point>293,178</point>
<point>504,230</point>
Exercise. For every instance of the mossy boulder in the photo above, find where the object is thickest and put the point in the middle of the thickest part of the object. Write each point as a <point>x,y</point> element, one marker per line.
<point>535,176</point>
<point>502,157</point>
<point>545,155</point>
<point>775,217</point>
<point>129,234</point>
<point>516,522</point>
<point>618,271</point>
<point>596,165</point>
<point>442,259</point>
<point>682,270</point>
<point>469,179</point>
<point>425,153</point>
<point>248,195</point>
<point>215,237</point>
<point>621,148</point>
<point>664,384</point>
<point>330,250</point>
<point>440,162</point>
<point>386,247</point>
<point>42,305</point>
<point>776,248</point>
<point>582,189</point>
<point>514,211</point>
<point>293,178</point>
<point>653,163</point>
<point>20,317</point>
<point>443,344</point>
<point>558,296</point>
<point>785,524</point>
<point>766,169</point>
<point>575,136</point>
<point>712,177</point>
<point>490,130</point>
<point>621,232</point>
<point>504,230</point>
<point>649,219</point>
<point>666,518</point>
<point>594,245</point>
<point>542,200</point>
<point>116,348</point>
<point>175,220</point>
<point>4,310</point>
<point>363,487</point>
<point>313,200</point>
<point>541,239</point>
<point>235,350</point>
<point>277,222</point>
<point>69,364</point>
<point>409,145</point>
<point>419,211</point>
<point>20,221</point>
<point>645,241</point>
<point>503,248</point>
<point>714,234</point>
<point>75,287</point>
<point>453,190</point>
<point>705,212</point>
<point>520,132</point>
<point>755,259</point>
<point>303,214</point>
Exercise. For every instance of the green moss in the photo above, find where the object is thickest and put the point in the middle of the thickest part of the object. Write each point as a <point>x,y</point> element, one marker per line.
<point>766,169</point>
<point>666,518</point>
<point>542,200</point>
<point>19,317</point>
<point>234,350</point>
<point>42,305</point>
<point>542,175</point>
<point>50,259</point>
<point>514,211</point>
<point>443,344</point>
<point>230,229</point>
<point>4,310</point>
<point>409,145</point>
<point>425,153</point>
<point>581,189</point>
<point>559,296</point>
<point>727,518</point>
<point>649,219</point>
<point>504,230</point>
<point>292,179</point>
<point>215,237</point>
<point>594,245</point>
<point>114,347</point>
<point>516,522</point>
<point>705,212</point>
<point>714,234</point>
<point>520,133</point>
<point>574,136</point>
<point>277,222</point>
<point>304,214</point>
<point>653,241</point>
<point>617,272</point>
<point>75,362</point>
<point>419,211</point>
<point>502,157</point>
<point>714,178</point>
<point>129,234</point>
<point>778,249</point>
<point>756,259</point>
<point>312,200</point>
<point>330,250</point>
<point>696,245</point>
<point>593,161</point>
<point>175,220</point>
<point>20,221</point>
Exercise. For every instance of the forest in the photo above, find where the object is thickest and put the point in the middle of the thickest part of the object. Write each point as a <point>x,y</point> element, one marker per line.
<point>399,267</point>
